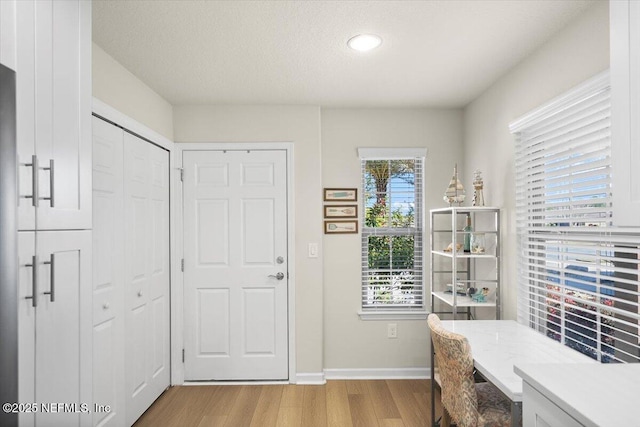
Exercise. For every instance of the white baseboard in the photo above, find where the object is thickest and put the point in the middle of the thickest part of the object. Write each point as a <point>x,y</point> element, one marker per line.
<point>378,374</point>
<point>319,378</point>
<point>259,382</point>
<point>314,378</point>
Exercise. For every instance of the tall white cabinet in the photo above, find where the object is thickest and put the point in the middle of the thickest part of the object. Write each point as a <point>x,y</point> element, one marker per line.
<point>131,361</point>
<point>52,61</point>
<point>625,110</point>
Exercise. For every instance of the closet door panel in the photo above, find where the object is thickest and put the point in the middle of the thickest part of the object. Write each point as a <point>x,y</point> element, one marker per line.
<point>158,247</point>
<point>146,206</point>
<point>107,378</point>
<point>108,274</point>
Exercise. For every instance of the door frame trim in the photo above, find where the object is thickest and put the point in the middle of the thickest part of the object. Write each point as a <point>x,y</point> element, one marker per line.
<point>177,288</point>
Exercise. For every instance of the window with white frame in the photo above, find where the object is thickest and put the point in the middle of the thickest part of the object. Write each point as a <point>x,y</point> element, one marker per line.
<point>577,274</point>
<point>392,229</point>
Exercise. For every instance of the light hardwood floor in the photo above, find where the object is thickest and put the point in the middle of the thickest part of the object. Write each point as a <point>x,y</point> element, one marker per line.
<point>375,403</point>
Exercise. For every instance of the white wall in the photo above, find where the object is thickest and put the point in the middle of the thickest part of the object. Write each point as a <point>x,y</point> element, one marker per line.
<point>329,333</point>
<point>118,87</point>
<point>577,53</point>
<point>351,343</point>
<point>300,125</point>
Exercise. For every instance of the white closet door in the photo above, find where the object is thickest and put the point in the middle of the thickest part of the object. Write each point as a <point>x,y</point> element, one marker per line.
<point>146,201</point>
<point>64,271</point>
<point>108,274</point>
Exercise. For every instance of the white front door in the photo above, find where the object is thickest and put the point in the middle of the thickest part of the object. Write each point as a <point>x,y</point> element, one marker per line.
<point>235,265</point>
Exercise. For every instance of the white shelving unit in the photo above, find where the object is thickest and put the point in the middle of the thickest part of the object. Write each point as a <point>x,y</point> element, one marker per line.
<point>470,269</point>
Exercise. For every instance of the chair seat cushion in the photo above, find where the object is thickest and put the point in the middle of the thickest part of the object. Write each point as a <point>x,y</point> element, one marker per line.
<point>493,408</point>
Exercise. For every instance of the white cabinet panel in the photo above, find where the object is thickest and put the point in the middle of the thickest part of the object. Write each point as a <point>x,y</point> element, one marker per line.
<point>26,322</point>
<point>61,321</point>
<point>625,111</point>
<point>55,345</point>
<point>8,33</point>
<point>25,111</point>
<point>54,113</point>
<point>538,411</point>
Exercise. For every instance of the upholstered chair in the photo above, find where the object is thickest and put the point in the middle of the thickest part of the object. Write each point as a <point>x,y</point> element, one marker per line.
<point>469,404</point>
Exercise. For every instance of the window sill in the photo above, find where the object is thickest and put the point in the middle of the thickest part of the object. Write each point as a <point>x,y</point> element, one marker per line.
<point>393,315</point>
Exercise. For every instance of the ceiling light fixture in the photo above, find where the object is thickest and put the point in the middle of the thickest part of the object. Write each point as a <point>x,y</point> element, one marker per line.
<point>364,42</point>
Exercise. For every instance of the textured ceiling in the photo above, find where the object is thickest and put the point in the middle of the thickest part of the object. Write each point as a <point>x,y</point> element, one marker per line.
<point>434,53</point>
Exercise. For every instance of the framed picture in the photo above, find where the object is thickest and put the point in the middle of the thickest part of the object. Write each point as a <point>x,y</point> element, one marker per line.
<point>341,211</point>
<point>340,194</point>
<point>341,227</point>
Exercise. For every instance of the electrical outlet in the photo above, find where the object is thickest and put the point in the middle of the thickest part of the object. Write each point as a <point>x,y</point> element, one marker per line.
<point>392,330</point>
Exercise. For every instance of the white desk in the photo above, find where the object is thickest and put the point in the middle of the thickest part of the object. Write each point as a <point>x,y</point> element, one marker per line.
<point>496,345</point>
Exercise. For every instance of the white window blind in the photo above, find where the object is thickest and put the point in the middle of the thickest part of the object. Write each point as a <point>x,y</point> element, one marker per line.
<point>578,276</point>
<point>392,233</point>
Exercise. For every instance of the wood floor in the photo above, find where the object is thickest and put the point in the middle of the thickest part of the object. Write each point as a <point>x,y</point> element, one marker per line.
<point>379,403</point>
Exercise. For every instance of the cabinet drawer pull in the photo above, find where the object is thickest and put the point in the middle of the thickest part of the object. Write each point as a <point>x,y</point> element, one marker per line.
<point>50,198</point>
<point>34,181</point>
<point>34,281</point>
<point>52,273</point>
<point>105,306</point>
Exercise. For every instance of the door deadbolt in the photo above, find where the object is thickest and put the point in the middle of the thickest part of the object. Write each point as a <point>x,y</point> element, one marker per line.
<point>279,260</point>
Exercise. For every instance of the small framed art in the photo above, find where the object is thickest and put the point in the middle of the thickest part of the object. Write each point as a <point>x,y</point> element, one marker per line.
<point>341,211</point>
<point>340,194</point>
<point>341,227</point>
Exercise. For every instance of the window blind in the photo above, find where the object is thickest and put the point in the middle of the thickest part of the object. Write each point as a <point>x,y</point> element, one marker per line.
<point>392,233</point>
<point>577,274</point>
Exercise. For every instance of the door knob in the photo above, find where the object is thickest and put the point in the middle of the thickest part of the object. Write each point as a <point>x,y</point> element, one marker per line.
<point>278,276</point>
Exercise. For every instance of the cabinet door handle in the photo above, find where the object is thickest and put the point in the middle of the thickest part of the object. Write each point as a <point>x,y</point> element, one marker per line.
<point>52,280</point>
<point>34,181</point>
<point>34,281</point>
<point>50,169</point>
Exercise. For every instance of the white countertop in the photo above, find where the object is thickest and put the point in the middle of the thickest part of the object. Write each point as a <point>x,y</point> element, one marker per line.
<point>596,395</point>
<point>497,345</point>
